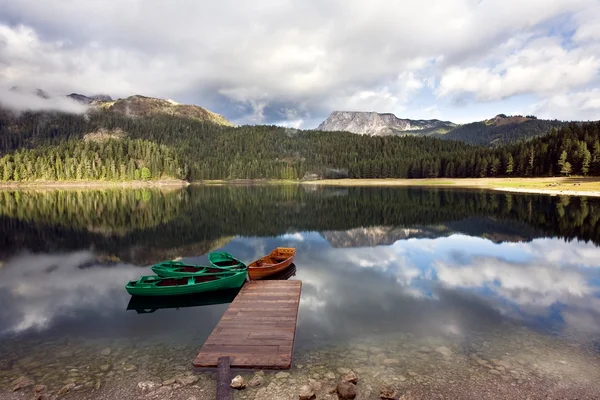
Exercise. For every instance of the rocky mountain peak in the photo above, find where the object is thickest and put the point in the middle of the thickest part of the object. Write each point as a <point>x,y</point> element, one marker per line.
<point>380,124</point>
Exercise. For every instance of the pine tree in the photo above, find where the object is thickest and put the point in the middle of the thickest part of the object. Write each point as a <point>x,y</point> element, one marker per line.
<point>146,175</point>
<point>563,164</point>
<point>510,165</point>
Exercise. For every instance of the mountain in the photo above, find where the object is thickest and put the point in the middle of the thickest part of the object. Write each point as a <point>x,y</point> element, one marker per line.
<point>376,124</point>
<point>132,106</point>
<point>83,99</point>
<point>142,106</point>
<point>501,129</point>
<point>37,92</point>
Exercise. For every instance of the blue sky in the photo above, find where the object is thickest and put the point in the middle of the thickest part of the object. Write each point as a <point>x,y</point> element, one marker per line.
<point>293,63</point>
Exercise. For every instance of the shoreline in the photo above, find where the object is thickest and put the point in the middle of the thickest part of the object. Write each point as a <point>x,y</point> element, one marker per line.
<point>572,186</point>
<point>559,186</point>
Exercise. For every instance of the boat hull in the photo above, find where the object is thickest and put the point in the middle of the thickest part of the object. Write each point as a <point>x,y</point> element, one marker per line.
<point>276,262</point>
<point>157,286</point>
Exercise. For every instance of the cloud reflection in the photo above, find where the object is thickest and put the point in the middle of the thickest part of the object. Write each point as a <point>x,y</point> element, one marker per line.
<point>36,288</point>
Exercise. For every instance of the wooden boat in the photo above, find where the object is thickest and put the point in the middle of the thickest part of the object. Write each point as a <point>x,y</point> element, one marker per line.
<point>222,259</point>
<point>158,286</point>
<point>147,305</point>
<point>167,269</point>
<point>277,261</point>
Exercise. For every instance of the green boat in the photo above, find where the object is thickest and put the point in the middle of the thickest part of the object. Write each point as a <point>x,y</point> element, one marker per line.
<point>167,269</point>
<point>222,259</point>
<point>158,286</point>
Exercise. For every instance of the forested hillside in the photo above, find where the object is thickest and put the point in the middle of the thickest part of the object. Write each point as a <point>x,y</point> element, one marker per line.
<point>108,146</point>
<point>501,131</point>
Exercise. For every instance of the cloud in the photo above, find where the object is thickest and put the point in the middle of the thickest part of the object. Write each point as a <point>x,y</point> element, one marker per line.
<point>23,101</point>
<point>582,105</point>
<point>249,61</point>
<point>543,67</point>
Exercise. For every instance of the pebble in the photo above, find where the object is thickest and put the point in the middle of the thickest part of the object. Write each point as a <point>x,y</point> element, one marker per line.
<point>282,375</point>
<point>330,375</point>
<point>495,372</point>
<point>424,349</point>
<point>350,377</point>
<point>104,367</point>
<point>343,370</point>
<point>401,378</point>
<point>306,393</point>
<point>316,385</point>
<point>257,380</point>
<point>187,380</point>
<point>346,391</point>
<point>412,373</point>
<point>446,352</point>
<point>238,382</point>
<point>388,362</point>
<point>21,383</point>
<point>162,392</point>
<point>387,392</point>
<point>169,382</point>
<point>40,388</point>
<point>129,368</point>
<point>105,352</point>
<point>66,389</point>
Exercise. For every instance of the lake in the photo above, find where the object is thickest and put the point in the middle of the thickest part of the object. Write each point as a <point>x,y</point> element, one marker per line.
<point>438,292</point>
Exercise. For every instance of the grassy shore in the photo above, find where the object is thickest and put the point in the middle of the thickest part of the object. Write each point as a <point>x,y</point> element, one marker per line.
<point>577,186</point>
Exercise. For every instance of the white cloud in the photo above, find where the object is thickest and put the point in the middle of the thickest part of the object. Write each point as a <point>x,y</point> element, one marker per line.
<point>21,101</point>
<point>542,67</point>
<point>582,105</point>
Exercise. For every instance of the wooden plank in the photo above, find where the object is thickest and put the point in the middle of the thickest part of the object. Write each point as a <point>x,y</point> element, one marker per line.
<point>223,379</point>
<point>258,329</point>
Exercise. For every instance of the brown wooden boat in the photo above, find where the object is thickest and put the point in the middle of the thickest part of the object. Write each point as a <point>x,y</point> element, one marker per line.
<point>278,260</point>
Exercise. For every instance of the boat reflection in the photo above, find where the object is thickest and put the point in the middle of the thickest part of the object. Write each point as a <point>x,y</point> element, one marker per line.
<point>283,275</point>
<point>147,304</point>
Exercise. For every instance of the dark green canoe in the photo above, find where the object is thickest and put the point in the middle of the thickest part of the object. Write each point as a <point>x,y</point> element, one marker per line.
<point>222,259</point>
<point>168,269</point>
<point>157,286</point>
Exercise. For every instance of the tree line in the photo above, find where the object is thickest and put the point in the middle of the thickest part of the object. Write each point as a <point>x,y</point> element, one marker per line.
<point>110,160</point>
<point>51,146</point>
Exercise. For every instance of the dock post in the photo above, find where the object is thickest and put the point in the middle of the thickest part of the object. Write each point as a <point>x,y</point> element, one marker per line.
<point>223,379</point>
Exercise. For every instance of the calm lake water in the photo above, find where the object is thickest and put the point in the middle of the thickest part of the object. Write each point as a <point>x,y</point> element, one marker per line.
<point>399,282</point>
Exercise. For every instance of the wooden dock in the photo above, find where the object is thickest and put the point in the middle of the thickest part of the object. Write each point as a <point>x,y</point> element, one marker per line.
<point>258,328</point>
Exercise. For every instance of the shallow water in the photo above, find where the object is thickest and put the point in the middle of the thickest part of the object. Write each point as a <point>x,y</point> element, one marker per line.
<point>400,284</point>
